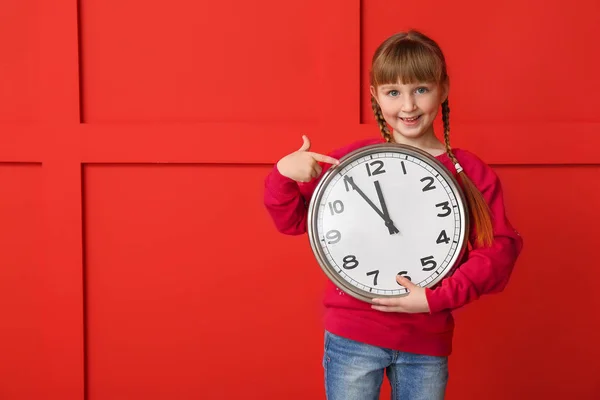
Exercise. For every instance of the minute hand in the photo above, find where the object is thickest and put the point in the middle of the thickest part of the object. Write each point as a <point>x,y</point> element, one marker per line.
<point>388,221</point>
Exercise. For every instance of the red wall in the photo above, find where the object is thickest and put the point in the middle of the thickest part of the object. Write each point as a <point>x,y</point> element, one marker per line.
<point>136,258</point>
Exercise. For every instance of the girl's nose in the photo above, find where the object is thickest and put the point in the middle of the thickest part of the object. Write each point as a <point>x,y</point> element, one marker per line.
<point>409,104</point>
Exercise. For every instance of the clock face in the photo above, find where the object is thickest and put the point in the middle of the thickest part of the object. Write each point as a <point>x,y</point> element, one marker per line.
<point>387,210</point>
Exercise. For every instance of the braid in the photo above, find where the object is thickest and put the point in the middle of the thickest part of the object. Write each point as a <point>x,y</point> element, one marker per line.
<point>446,121</point>
<point>385,131</point>
<point>479,209</point>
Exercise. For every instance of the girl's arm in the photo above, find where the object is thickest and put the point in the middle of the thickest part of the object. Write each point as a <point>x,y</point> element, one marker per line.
<point>487,269</point>
<point>285,203</point>
<point>287,200</point>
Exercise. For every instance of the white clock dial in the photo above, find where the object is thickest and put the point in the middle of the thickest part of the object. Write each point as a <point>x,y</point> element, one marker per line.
<point>385,212</point>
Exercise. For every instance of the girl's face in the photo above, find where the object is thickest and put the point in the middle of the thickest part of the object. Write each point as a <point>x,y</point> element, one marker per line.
<point>410,109</point>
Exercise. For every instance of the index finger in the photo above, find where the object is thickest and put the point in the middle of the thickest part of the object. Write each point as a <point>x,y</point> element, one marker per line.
<point>324,158</point>
<point>388,302</point>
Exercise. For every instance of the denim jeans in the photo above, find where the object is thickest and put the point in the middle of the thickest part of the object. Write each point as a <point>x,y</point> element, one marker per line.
<point>354,371</point>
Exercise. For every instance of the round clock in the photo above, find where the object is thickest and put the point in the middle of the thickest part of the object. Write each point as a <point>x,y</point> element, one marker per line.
<point>387,209</point>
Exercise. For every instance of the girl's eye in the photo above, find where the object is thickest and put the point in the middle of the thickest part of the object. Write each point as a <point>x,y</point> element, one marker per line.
<point>421,90</point>
<point>393,93</point>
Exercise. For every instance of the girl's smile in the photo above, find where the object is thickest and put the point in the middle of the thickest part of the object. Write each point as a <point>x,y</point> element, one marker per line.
<point>410,121</point>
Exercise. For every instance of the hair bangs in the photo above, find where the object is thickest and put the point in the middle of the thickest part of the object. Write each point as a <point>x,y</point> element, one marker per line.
<point>407,61</point>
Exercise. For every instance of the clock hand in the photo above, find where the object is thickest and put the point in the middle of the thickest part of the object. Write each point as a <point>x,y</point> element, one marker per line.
<point>388,221</point>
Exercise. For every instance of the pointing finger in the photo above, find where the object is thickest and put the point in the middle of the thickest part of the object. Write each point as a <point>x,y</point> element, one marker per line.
<point>324,158</point>
<point>305,144</point>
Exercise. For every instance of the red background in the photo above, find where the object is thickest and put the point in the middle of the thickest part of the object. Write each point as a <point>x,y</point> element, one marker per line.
<point>136,258</point>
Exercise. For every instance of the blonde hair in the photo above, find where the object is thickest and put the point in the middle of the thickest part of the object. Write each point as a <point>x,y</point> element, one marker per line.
<point>411,57</point>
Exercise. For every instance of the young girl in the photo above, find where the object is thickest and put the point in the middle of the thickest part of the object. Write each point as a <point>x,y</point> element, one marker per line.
<point>408,338</point>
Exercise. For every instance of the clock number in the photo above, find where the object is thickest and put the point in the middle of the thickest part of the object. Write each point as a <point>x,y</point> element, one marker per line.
<point>333,236</point>
<point>348,186</point>
<point>429,185</point>
<point>376,273</point>
<point>403,273</point>
<point>378,170</point>
<point>428,261</point>
<point>350,262</point>
<point>445,206</point>
<point>403,167</point>
<point>336,207</point>
<point>443,238</point>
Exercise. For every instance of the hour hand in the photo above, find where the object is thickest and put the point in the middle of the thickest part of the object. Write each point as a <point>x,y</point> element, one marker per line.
<point>388,220</point>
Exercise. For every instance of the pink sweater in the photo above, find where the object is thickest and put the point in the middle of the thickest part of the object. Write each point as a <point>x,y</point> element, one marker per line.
<point>482,270</point>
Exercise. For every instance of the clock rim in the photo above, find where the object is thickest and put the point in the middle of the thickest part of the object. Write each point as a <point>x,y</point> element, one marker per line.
<point>328,176</point>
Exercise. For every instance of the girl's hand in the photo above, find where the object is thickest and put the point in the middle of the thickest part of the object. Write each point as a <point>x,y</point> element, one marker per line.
<point>415,302</point>
<point>302,165</point>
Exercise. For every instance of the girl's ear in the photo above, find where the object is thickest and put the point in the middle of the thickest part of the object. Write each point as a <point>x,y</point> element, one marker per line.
<point>374,93</point>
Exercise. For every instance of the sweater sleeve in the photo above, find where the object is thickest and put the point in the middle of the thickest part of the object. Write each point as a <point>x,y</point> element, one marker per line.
<point>285,204</point>
<point>486,269</point>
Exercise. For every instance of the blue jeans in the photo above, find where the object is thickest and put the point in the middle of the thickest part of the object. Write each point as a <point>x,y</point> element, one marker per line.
<point>354,371</point>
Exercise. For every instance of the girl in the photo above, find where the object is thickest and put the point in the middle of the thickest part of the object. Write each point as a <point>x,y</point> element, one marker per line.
<point>408,338</point>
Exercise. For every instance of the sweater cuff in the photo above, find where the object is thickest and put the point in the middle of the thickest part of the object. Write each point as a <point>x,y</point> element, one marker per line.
<point>435,300</point>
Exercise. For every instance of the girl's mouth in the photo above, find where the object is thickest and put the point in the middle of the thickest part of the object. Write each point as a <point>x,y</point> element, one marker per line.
<point>411,120</point>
